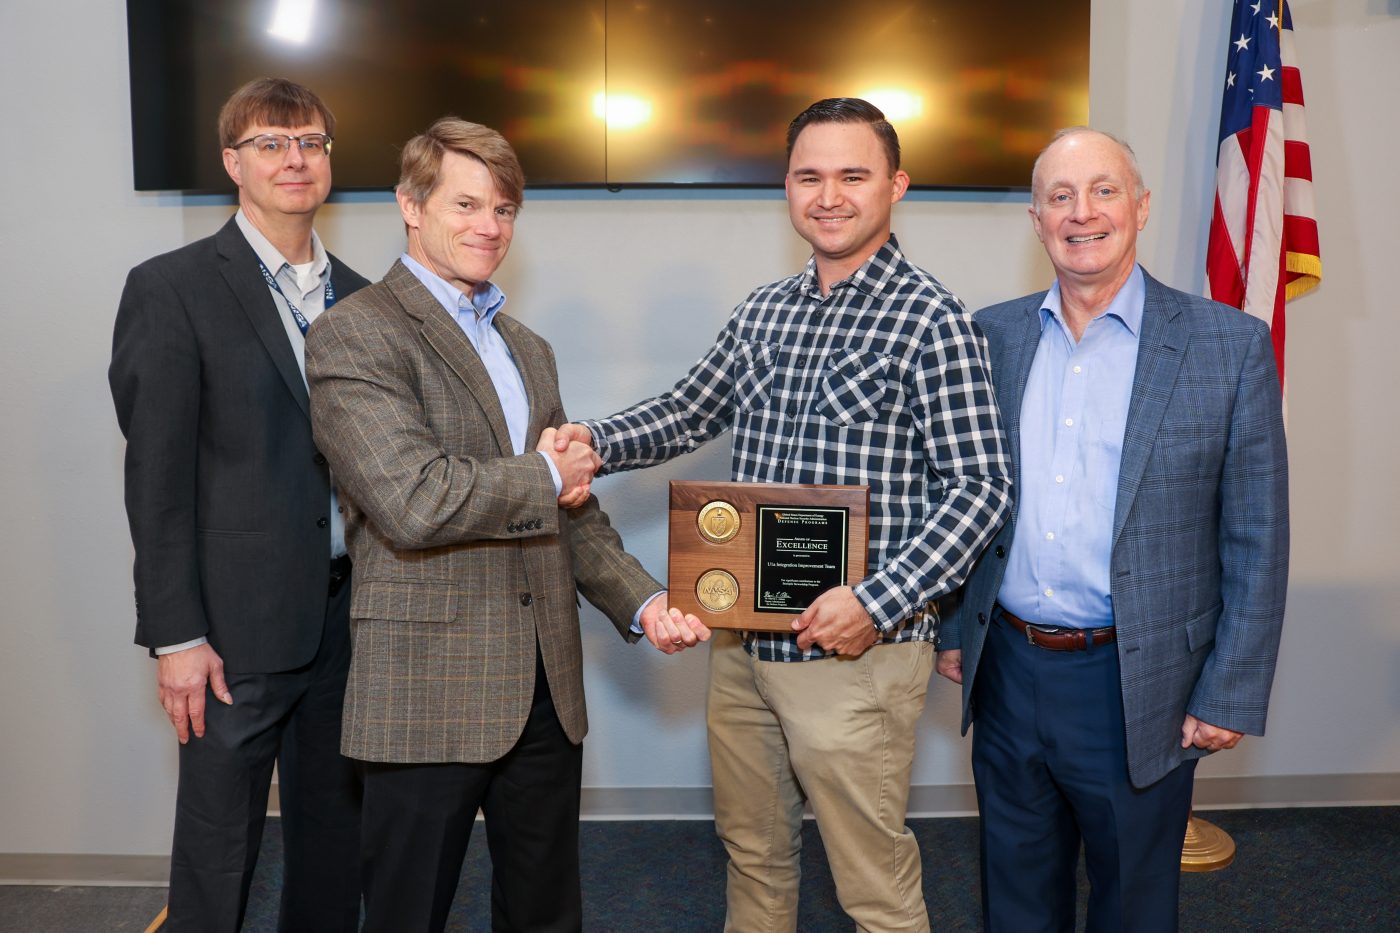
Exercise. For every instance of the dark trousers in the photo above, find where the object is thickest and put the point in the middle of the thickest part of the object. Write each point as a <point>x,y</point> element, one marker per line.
<point>1050,761</point>
<point>418,820</point>
<point>292,718</point>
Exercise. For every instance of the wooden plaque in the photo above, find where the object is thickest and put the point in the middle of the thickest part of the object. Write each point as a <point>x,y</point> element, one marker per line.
<point>753,555</point>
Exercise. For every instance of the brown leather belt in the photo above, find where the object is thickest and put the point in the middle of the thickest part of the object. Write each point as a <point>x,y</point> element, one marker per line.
<point>1053,638</point>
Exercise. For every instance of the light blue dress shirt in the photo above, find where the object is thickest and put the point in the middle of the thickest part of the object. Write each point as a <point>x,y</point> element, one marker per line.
<point>1073,415</point>
<point>475,314</point>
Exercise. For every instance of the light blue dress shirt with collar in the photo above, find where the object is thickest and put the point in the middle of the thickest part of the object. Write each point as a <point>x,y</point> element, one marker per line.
<point>476,314</point>
<point>1073,415</point>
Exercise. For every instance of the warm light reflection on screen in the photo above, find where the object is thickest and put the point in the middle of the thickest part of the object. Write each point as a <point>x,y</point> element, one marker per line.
<point>619,92</point>
<point>621,111</point>
<point>901,107</point>
<point>291,20</point>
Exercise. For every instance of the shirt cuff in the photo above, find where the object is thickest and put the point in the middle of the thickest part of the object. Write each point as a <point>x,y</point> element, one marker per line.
<point>637,618</point>
<point>554,472</point>
<point>183,646</point>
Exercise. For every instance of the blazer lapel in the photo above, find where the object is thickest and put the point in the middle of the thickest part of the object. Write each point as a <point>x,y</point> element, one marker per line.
<point>1015,369</point>
<point>531,373</point>
<point>446,338</point>
<point>240,270</point>
<point>1161,348</point>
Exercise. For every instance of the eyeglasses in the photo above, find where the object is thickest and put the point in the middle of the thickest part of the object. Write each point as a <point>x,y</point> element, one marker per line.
<point>277,145</point>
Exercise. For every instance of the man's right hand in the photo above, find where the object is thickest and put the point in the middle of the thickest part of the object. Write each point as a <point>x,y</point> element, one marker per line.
<point>569,433</point>
<point>576,464</point>
<point>181,677</point>
<point>949,664</point>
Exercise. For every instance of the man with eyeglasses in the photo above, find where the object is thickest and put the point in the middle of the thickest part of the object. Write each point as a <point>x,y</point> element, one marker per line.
<point>241,569</point>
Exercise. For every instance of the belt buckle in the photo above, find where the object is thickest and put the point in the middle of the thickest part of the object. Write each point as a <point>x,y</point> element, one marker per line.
<point>1032,630</point>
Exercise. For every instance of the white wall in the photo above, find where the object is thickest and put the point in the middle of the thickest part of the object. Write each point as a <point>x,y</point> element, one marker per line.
<point>630,288</point>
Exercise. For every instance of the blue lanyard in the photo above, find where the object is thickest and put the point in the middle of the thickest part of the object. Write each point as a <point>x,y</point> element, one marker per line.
<point>302,323</point>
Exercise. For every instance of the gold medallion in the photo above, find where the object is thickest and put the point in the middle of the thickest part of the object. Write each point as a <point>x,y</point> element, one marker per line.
<point>717,590</point>
<point>718,521</point>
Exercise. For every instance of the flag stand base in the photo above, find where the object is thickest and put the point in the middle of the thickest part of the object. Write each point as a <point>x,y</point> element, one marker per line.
<point>1207,847</point>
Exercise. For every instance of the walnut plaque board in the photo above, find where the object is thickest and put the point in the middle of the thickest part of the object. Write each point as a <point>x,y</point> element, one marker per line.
<point>753,555</point>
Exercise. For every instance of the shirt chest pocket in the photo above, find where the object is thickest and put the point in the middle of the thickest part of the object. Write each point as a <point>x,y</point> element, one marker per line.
<point>753,376</point>
<point>855,387</point>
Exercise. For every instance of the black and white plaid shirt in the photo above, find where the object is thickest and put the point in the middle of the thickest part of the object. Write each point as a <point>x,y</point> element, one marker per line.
<point>883,382</point>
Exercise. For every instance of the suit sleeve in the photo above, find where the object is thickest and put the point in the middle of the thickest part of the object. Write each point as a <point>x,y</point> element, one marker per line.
<point>1233,689</point>
<point>368,419</point>
<point>155,381</point>
<point>607,576</point>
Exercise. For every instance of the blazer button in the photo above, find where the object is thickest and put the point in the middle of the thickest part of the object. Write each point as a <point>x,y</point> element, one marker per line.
<point>1001,551</point>
<point>981,618</point>
<point>321,523</point>
<point>319,459</point>
<point>537,524</point>
<point>525,599</point>
<point>512,528</point>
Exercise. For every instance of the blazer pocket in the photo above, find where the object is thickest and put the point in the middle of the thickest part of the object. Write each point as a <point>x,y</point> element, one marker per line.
<point>854,388</point>
<point>1187,455</point>
<point>404,601</point>
<point>231,534</point>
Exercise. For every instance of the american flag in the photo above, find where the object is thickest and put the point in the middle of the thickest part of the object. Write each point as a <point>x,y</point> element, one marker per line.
<point>1263,237</point>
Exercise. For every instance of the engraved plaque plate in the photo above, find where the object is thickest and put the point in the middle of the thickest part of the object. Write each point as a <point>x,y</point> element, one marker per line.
<point>753,555</point>
<point>801,553</point>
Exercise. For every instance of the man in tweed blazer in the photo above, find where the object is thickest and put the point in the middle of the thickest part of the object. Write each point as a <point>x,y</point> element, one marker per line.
<point>466,686</point>
<point>1126,621</point>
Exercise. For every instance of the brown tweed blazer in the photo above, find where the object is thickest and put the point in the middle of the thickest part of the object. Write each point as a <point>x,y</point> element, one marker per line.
<point>463,559</point>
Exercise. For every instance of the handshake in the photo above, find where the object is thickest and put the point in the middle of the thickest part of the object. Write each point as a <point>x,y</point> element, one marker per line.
<point>570,447</point>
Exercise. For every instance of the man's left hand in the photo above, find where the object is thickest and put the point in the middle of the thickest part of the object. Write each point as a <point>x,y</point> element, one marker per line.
<point>1204,735</point>
<point>836,622</point>
<point>668,629</point>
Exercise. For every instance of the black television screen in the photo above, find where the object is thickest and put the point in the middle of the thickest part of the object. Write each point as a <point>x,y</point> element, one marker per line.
<point>617,92</point>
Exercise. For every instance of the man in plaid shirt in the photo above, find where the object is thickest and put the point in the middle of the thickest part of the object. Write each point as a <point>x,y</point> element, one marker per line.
<point>860,370</point>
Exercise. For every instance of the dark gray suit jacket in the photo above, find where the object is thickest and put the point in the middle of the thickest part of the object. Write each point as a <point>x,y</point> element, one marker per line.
<point>226,494</point>
<point>1199,567</point>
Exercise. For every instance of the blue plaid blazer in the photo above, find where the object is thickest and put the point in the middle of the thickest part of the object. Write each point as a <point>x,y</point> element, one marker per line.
<point>1199,568</point>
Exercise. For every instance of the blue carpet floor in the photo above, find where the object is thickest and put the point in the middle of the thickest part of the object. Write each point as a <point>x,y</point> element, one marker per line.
<point>1331,870</point>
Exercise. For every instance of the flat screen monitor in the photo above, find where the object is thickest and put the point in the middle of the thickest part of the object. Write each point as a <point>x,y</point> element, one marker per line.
<point>617,93</point>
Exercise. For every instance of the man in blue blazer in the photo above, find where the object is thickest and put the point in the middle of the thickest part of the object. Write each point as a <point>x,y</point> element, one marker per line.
<point>1126,621</point>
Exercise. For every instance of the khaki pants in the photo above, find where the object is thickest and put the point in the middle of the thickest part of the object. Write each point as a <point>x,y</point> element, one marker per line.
<point>839,734</point>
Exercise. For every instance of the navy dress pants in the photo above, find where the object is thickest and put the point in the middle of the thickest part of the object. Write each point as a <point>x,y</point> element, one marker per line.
<point>1050,761</point>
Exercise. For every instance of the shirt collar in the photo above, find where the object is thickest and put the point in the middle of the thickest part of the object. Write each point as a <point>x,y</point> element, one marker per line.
<point>484,304</point>
<point>1126,306</point>
<point>874,275</point>
<point>269,255</point>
